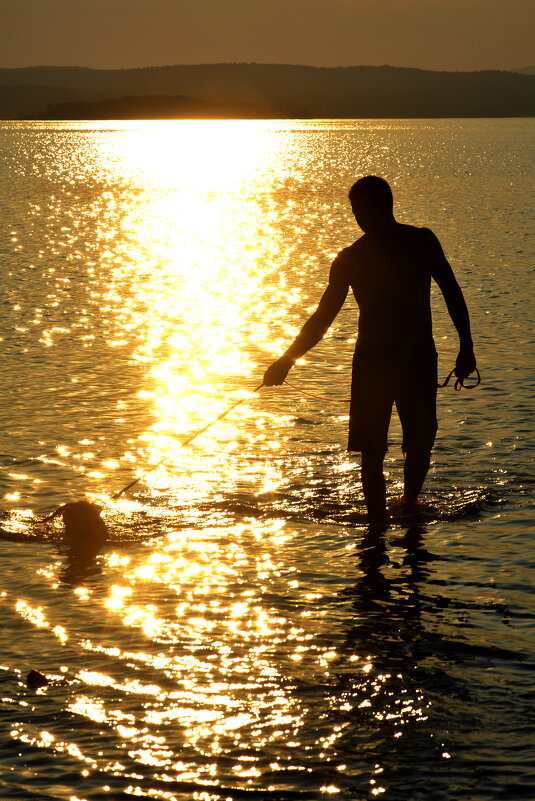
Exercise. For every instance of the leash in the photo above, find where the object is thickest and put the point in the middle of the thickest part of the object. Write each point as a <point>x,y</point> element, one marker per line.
<point>318,397</point>
<point>186,442</point>
<point>459,384</point>
<point>181,445</point>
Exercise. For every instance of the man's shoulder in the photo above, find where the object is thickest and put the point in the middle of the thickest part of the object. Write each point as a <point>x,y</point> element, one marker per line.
<point>416,231</point>
<point>420,240</point>
<point>349,254</point>
<point>345,261</point>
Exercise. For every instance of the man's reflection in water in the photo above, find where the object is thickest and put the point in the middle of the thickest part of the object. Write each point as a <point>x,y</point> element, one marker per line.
<point>388,604</point>
<point>392,690</point>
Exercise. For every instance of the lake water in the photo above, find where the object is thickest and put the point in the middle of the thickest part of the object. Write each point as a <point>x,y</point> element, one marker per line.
<point>240,637</point>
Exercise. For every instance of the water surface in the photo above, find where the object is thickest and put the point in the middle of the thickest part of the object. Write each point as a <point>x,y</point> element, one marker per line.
<point>241,636</point>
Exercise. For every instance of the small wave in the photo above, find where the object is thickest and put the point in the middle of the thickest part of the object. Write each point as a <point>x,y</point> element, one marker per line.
<point>460,650</point>
<point>29,535</point>
<point>329,502</point>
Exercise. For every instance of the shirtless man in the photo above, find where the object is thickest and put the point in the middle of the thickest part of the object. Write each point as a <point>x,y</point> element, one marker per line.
<point>389,271</point>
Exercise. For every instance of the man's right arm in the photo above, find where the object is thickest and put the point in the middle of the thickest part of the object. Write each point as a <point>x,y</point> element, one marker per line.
<point>315,327</point>
<point>443,274</point>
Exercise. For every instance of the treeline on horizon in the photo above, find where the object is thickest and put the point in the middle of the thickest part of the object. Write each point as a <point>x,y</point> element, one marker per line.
<point>152,107</point>
<point>217,91</point>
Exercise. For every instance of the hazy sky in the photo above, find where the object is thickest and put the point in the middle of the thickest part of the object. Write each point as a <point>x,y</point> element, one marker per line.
<point>433,34</point>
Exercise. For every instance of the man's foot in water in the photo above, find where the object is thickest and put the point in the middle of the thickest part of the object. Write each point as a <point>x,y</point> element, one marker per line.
<point>378,525</point>
<point>401,509</point>
<point>409,507</point>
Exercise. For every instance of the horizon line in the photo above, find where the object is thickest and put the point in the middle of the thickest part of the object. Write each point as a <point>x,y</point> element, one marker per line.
<point>266,64</point>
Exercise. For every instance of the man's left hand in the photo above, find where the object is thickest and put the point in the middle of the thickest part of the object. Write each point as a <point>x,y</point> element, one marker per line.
<point>466,362</point>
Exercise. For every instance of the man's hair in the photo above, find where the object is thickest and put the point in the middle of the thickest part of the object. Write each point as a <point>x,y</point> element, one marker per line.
<point>372,189</point>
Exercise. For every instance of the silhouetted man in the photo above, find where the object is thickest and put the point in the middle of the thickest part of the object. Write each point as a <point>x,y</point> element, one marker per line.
<point>389,270</point>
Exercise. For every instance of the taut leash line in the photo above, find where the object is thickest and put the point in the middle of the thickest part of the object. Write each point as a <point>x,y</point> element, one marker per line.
<point>318,397</point>
<point>187,441</point>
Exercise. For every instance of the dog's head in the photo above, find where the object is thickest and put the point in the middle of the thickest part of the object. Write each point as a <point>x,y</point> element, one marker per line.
<point>85,530</point>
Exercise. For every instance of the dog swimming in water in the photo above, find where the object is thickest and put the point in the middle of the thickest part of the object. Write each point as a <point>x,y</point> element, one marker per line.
<point>85,530</point>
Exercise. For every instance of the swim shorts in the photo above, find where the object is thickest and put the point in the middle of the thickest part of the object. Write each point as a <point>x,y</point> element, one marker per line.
<point>378,383</point>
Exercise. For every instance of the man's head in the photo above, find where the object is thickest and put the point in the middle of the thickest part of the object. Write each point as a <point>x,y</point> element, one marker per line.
<point>372,202</point>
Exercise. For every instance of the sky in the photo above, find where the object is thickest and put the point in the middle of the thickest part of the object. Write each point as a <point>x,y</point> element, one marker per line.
<point>431,34</point>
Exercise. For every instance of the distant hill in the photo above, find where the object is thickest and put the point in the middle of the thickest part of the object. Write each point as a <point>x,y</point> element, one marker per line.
<point>162,107</point>
<point>526,70</point>
<point>293,91</point>
<point>18,101</point>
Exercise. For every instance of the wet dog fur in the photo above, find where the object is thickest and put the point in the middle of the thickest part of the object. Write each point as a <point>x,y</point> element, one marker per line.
<point>85,530</point>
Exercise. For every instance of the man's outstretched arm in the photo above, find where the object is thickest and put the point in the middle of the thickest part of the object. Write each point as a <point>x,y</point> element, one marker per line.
<point>311,333</point>
<point>443,275</point>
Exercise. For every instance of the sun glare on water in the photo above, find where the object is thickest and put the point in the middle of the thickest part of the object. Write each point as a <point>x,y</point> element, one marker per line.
<point>193,281</point>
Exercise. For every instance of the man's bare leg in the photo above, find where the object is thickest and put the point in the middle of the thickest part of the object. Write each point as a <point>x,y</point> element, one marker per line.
<point>374,487</point>
<point>416,466</point>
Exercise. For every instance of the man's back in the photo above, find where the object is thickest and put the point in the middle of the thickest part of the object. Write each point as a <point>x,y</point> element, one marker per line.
<point>390,276</point>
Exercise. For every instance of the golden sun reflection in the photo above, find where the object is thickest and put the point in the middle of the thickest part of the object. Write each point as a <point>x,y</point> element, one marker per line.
<point>194,290</point>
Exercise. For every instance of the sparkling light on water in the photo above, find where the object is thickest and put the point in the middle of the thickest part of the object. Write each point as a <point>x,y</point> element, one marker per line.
<point>238,633</point>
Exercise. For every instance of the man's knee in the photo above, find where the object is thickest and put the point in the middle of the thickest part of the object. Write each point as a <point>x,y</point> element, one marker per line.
<point>418,452</point>
<point>373,456</point>
<point>419,440</point>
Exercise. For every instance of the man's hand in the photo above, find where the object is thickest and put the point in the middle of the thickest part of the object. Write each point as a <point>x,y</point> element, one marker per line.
<point>277,372</point>
<point>466,362</point>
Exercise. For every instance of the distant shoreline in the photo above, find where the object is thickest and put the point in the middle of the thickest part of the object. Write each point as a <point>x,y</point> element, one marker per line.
<point>262,91</point>
<point>152,107</point>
